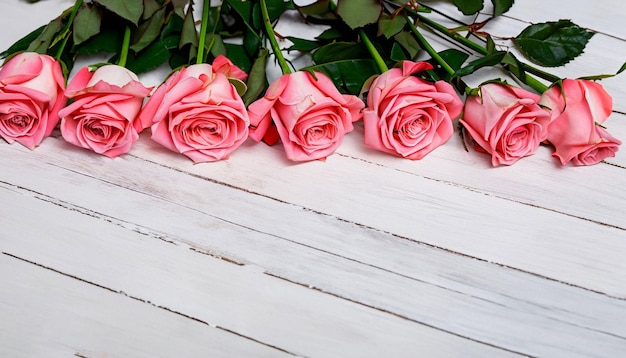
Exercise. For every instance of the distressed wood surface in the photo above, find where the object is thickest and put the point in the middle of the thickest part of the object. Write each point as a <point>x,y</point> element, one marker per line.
<point>361,255</point>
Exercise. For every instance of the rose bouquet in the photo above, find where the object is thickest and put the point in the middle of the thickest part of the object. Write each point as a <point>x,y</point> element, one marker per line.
<point>371,63</point>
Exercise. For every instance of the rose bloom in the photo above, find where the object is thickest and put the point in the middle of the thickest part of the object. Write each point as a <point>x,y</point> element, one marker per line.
<point>105,105</point>
<point>579,107</point>
<point>311,117</point>
<point>198,112</point>
<point>407,116</point>
<point>506,122</point>
<point>31,94</point>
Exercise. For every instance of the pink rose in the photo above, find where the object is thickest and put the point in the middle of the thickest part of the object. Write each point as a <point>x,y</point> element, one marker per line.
<point>506,122</point>
<point>105,105</point>
<point>579,107</point>
<point>407,116</point>
<point>310,115</point>
<point>198,113</point>
<point>31,94</point>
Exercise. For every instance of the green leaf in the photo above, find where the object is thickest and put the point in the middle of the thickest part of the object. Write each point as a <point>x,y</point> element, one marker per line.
<point>148,31</point>
<point>239,85</point>
<point>244,9</point>
<point>491,45</point>
<point>514,66</point>
<point>397,53</point>
<point>149,8</point>
<point>319,10</point>
<point>469,7</point>
<point>86,23</point>
<point>275,8</point>
<point>489,60</point>
<point>129,10</point>
<point>501,6</point>
<point>453,57</point>
<point>408,41</point>
<point>251,39</point>
<point>302,44</point>
<point>43,42</point>
<point>390,26</point>
<point>340,51</point>
<point>251,42</point>
<point>170,42</point>
<point>256,78</point>
<point>358,13</point>
<point>553,44</point>
<point>150,58</point>
<point>23,43</point>
<point>330,34</point>
<point>348,75</point>
<point>108,40</point>
<point>189,34</point>
<point>215,43</point>
<point>237,54</point>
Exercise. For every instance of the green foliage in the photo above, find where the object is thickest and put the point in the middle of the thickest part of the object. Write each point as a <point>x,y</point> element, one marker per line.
<point>408,42</point>
<point>148,31</point>
<point>86,24</point>
<point>128,10</point>
<point>389,26</point>
<point>166,31</point>
<point>348,75</point>
<point>302,44</point>
<point>489,60</point>
<point>151,57</point>
<point>23,43</point>
<point>340,51</point>
<point>469,7</point>
<point>320,9</point>
<point>358,13</point>
<point>501,6</point>
<point>553,44</point>
<point>107,41</point>
<point>256,78</point>
<point>44,41</point>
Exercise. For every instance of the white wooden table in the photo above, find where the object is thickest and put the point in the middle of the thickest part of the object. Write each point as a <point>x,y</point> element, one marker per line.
<point>364,255</point>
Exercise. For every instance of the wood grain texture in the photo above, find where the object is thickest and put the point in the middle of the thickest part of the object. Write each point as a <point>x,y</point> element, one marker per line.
<point>362,255</point>
<point>238,298</point>
<point>56,315</point>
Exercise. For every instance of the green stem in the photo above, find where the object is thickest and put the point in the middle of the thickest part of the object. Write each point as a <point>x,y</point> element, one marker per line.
<point>482,50</point>
<point>272,37</point>
<point>382,66</point>
<point>540,73</point>
<point>535,84</point>
<point>451,34</point>
<point>125,47</point>
<point>203,27</point>
<point>431,51</point>
<point>66,28</point>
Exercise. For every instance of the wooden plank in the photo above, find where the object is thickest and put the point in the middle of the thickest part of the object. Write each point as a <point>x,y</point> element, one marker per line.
<point>376,269</point>
<point>238,298</point>
<point>593,193</point>
<point>502,231</point>
<point>494,230</point>
<point>47,314</point>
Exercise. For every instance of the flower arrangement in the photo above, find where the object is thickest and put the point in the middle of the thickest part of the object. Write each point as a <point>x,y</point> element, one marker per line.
<point>372,63</point>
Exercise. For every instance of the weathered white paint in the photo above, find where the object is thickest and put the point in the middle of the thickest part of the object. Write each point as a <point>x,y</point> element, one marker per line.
<point>362,255</point>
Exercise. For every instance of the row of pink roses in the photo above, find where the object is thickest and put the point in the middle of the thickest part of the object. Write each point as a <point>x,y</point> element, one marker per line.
<point>198,112</point>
